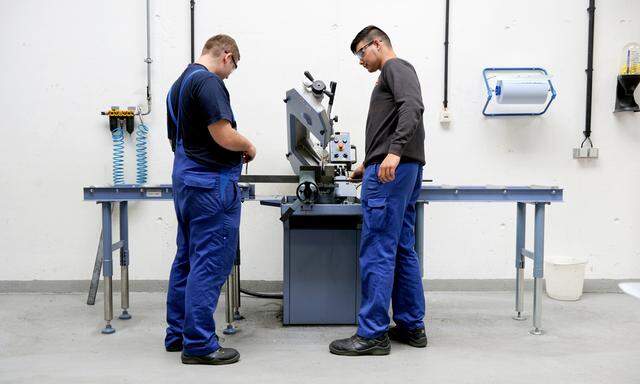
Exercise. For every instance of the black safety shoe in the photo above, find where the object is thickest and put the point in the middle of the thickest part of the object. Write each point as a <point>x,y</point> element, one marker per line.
<point>415,338</point>
<point>219,357</point>
<point>359,346</point>
<point>175,347</point>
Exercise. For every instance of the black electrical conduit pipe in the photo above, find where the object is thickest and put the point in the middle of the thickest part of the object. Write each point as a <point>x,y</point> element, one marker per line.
<point>193,6</point>
<point>445,101</point>
<point>589,70</point>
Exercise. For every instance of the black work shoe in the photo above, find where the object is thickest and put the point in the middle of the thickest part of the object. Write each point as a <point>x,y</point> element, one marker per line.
<point>359,346</point>
<point>175,347</point>
<point>219,357</point>
<point>415,338</point>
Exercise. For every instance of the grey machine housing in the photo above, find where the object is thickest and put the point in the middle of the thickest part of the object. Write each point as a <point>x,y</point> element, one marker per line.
<point>322,222</point>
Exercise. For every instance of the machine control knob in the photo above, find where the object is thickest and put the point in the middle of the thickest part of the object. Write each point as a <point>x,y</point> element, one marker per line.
<point>318,87</point>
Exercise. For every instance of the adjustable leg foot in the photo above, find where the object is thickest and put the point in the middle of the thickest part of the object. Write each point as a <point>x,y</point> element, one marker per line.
<point>107,330</point>
<point>519,316</point>
<point>230,330</point>
<point>536,331</point>
<point>125,315</point>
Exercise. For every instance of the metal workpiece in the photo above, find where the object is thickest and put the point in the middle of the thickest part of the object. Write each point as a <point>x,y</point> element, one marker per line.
<point>345,188</point>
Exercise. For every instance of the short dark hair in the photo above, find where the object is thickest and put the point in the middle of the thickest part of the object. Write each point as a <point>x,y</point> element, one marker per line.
<point>221,43</point>
<point>370,33</point>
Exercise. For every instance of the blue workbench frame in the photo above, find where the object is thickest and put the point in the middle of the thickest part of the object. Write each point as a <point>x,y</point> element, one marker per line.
<point>537,196</point>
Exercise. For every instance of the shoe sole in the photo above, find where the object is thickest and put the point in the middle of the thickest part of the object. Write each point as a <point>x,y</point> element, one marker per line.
<point>415,344</point>
<point>373,351</point>
<point>210,362</point>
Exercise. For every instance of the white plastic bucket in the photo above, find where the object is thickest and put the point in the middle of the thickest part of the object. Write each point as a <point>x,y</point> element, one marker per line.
<point>564,278</point>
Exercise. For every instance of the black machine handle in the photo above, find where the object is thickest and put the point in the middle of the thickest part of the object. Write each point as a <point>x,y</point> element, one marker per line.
<point>308,75</point>
<point>332,91</point>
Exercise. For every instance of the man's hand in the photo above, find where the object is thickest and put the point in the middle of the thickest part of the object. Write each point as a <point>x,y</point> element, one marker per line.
<point>387,170</point>
<point>249,154</point>
<point>357,173</point>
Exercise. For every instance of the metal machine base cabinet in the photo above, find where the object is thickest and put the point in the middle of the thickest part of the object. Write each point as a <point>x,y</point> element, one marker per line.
<point>321,278</point>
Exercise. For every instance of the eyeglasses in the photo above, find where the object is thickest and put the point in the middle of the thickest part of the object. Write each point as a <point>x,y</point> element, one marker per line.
<point>233,60</point>
<point>360,52</point>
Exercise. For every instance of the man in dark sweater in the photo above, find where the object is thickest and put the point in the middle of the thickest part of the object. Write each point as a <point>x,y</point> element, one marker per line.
<point>391,180</point>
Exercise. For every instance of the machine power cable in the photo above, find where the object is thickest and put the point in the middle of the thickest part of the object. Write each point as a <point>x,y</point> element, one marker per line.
<point>262,295</point>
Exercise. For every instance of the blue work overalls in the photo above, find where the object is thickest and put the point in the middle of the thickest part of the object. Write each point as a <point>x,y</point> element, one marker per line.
<point>207,205</point>
<point>389,265</point>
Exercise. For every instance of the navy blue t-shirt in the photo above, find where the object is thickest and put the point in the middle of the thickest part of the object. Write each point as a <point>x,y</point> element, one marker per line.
<point>205,100</point>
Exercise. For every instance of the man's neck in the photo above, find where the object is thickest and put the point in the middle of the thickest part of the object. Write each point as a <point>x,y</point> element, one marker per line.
<point>210,63</point>
<point>386,56</point>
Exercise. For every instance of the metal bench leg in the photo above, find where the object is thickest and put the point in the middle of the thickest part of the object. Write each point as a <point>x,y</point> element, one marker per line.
<point>538,268</point>
<point>124,261</point>
<point>107,267</point>
<point>230,329</point>
<point>520,260</point>
<point>95,277</point>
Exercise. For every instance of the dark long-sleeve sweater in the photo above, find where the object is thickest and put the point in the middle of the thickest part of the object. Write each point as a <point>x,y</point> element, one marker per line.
<point>394,123</point>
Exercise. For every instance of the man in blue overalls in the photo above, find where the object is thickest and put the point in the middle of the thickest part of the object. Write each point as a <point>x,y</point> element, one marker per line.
<point>208,159</point>
<point>391,181</point>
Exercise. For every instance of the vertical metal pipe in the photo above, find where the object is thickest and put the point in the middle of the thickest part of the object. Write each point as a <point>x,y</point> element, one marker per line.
<point>521,221</point>
<point>538,268</point>
<point>537,307</point>
<point>148,59</point>
<point>228,301</point>
<point>193,5</point>
<point>108,305</point>
<point>107,267</point>
<point>124,261</point>
<point>230,329</point>
<point>538,250</point>
<point>237,315</point>
<point>445,101</point>
<point>236,289</point>
<point>591,10</point>
<point>234,286</point>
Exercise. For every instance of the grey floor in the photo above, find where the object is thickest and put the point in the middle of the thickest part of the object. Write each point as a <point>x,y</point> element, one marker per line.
<point>472,339</point>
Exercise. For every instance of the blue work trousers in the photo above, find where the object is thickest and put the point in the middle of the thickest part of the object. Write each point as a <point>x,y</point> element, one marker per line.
<point>389,264</point>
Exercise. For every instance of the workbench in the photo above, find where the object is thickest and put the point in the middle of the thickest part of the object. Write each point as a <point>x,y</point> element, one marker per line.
<point>537,196</point>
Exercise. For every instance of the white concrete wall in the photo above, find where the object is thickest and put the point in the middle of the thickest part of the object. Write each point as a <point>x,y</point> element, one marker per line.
<point>63,62</point>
